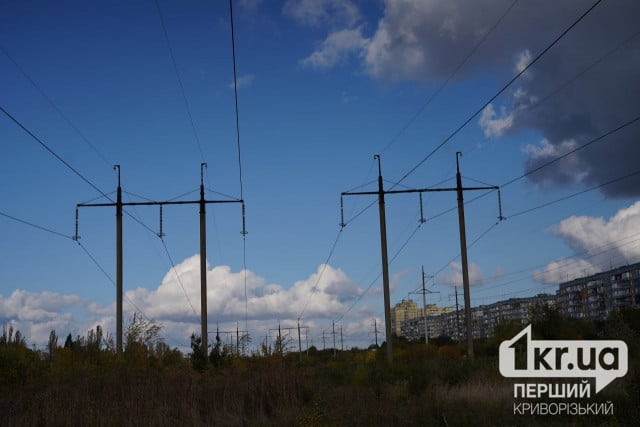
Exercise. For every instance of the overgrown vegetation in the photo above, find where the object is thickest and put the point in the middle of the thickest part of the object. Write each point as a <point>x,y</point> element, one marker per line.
<point>84,382</point>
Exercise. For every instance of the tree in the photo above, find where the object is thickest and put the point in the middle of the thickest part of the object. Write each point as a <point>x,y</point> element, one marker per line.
<point>68,343</point>
<point>8,337</point>
<point>197,357</point>
<point>52,344</point>
<point>139,331</point>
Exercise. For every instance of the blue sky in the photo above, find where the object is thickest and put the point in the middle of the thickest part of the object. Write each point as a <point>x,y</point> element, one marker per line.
<point>323,86</point>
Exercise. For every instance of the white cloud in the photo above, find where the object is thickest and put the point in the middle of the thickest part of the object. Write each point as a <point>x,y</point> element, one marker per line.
<point>602,243</point>
<point>545,150</point>
<point>570,169</point>
<point>494,125</point>
<point>425,39</point>
<point>563,270</point>
<point>453,277</point>
<point>327,293</point>
<point>524,59</point>
<point>226,298</point>
<point>336,48</point>
<point>243,81</point>
<point>315,13</point>
<point>593,234</point>
<point>35,314</point>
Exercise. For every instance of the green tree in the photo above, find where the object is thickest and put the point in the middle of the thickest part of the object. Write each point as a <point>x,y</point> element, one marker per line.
<point>140,331</point>
<point>52,344</point>
<point>197,357</point>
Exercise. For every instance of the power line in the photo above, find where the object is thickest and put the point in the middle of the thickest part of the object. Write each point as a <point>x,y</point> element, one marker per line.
<point>476,240</point>
<point>86,251</point>
<point>449,78</point>
<point>593,141</point>
<point>36,226</point>
<point>95,261</point>
<point>50,150</point>
<point>237,113</point>
<point>182,91</point>
<point>542,206</point>
<point>55,107</point>
<point>235,91</point>
<point>373,282</point>
<point>504,88</point>
<point>324,267</point>
<point>538,102</point>
<point>609,247</point>
<point>67,164</point>
<point>550,162</point>
<point>173,267</point>
<point>561,199</point>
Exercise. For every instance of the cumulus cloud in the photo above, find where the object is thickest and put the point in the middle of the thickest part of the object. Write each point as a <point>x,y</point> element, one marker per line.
<point>326,293</point>
<point>563,270</point>
<point>495,125</point>
<point>582,88</point>
<point>524,59</point>
<point>242,81</point>
<point>453,276</point>
<point>565,171</point>
<point>226,298</point>
<point>336,48</point>
<point>35,314</point>
<point>424,40</point>
<point>598,242</point>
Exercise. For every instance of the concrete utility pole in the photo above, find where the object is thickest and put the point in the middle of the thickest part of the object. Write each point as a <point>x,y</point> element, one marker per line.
<point>375,330</point>
<point>424,293</point>
<point>229,337</point>
<point>463,256</point>
<point>203,248</point>
<point>333,327</point>
<point>383,240</point>
<point>385,264</point>
<point>203,265</point>
<point>118,264</point>
<point>289,329</point>
<point>457,317</point>
<point>299,341</point>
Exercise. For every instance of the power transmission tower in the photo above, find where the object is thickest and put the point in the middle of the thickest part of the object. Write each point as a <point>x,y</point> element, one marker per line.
<point>424,293</point>
<point>306,336</point>
<point>459,189</point>
<point>285,341</point>
<point>457,317</point>
<point>375,330</point>
<point>239,336</point>
<point>333,327</point>
<point>119,204</point>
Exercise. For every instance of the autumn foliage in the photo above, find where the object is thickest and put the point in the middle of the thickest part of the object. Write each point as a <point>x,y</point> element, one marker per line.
<point>84,382</point>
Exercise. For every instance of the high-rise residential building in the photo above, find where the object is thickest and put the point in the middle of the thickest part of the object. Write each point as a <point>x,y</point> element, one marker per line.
<point>402,311</point>
<point>596,296</point>
<point>590,297</point>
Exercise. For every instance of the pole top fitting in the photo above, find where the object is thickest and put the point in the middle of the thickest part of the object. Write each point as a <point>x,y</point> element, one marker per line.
<point>202,166</point>
<point>458,155</point>
<point>377,157</point>
<point>117,168</point>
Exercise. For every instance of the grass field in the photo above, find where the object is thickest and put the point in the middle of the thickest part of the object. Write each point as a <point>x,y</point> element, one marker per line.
<point>85,384</point>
